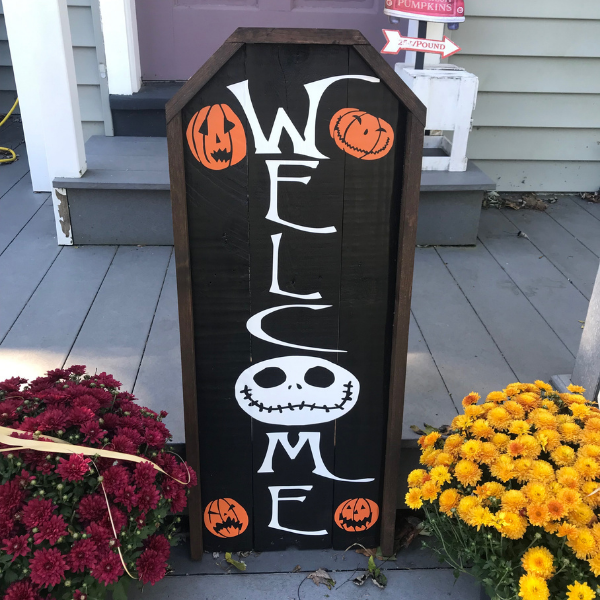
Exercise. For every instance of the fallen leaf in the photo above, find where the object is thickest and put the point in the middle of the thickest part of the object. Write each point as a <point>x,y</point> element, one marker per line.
<point>216,554</point>
<point>320,576</point>
<point>297,569</point>
<point>240,565</point>
<point>368,552</point>
<point>379,579</point>
<point>360,580</point>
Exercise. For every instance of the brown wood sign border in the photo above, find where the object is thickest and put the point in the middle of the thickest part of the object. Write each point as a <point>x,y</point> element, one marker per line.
<point>404,270</point>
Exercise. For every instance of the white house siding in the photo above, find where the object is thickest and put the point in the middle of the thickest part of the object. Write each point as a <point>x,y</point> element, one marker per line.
<point>8,89</point>
<point>537,121</point>
<point>88,53</point>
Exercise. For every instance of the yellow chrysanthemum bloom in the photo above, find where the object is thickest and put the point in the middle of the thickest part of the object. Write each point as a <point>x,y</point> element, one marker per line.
<point>467,472</point>
<point>543,385</point>
<point>590,494</point>
<point>480,516</point>
<point>514,500</point>
<point>495,397</point>
<point>522,467</point>
<point>587,467</point>
<point>542,418</point>
<point>541,471</point>
<point>584,545</point>
<point>580,411</point>
<point>486,407</point>
<point>515,447</point>
<point>429,456</point>
<point>518,427</point>
<point>556,509</point>
<point>595,565</point>
<point>471,449</point>
<point>538,514</point>
<point>563,456</point>
<point>474,411</point>
<point>567,530</point>
<point>576,389</point>
<point>460,422</point>
<point>444,458</point>
<point>528,401</point>
<point>548,439</point>
<point>500,440</point>
<point>551,527</point>
<point>513,389</point>
<point>413,498</point>
<point>499,418</point>
<point>581,515</point>
<point>440,475</point>
<point>511,525</point>
<point>417,478</point>
<point>593,424</point>
<point>589,436</point>
<point>503,468</point>
<point>535,491</point>
<point>466,505</point>
<point>491,489</point>
<point>550,406</point>
<point>426,441</point>
<point>448,500</point>
<point>590,450</point>
<point>532,448</point>
<point>580,591</point>
<point>570,498</point>
<point>515,409</point>
<point>532,587</point>
<point>471,398</point>
<point>481,429</point>
<point>538,561</point>
<point>575,398</point>
<point>568,477</point>
<point>453,444</point>
<point>488,454</point>
<point>430,490</point>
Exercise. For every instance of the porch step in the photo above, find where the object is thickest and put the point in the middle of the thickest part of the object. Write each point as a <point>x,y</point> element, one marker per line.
<point>123,197</point>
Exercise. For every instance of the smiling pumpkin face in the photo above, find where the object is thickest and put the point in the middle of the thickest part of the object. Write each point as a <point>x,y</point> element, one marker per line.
<point>361,134</point>
<point>216,137</point>
<point>225,518</point>
<point>356,514</point>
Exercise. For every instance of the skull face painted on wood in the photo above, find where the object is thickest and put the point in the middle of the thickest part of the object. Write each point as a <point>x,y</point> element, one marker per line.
<point>296,390</point>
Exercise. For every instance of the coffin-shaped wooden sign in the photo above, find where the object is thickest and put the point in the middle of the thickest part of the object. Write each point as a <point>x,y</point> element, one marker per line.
<point>295,166</point>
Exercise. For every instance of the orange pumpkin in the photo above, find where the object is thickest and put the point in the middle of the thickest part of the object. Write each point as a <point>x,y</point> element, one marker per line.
<point>360,134</point>
<point>356,514</point>
<point>225,518</point>
<point>216,137</point>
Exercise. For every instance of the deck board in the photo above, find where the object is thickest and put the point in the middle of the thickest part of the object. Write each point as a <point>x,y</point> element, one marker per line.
<point>568,254</point>
<point>516,326</point>
<point>11,173</point>
<point>560,303</point>
<point>115,331</point>
<point>593,208</point>
<point>576,220</point>
<point>43,334</point>
<point>24,264</point>
<point>465,353</point>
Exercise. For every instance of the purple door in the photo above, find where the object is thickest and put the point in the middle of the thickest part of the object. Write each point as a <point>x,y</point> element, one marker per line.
<point>178,36</point>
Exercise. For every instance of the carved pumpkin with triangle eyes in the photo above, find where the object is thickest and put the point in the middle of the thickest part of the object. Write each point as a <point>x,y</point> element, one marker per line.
<point>361,134</point>
<point>225,518</point>
<point>216,137</point>
<point>356,514</point>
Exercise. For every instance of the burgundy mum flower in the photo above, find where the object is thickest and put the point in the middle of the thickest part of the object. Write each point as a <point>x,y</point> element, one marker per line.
<point>12,385</point>
<point>21,590</point>
<point>121,443</point>
<point>82,556</point>
<point>76,370</point>
<point>54,419</point>
<point>115,479</point>
<point>151,567</point>
<point>160,544</point>
<point>47,567</point>
<point>98,534</point>
<point>154,438</point>
<point>145,474</point>
<point>108,568</point>
<point>147,498</point>
<point>78,595</point>
<point>127,497</point>
<point>87,401</point>
<point>51,530</point>
<point>92,508</point>
<point>93,432</point>
<point>80,415</point>
<point>107,380</point>
<point>36,511</point>
<point>12,496</point>
<point>179,501</point>
<point>17,546</point>
<point>75,468</point>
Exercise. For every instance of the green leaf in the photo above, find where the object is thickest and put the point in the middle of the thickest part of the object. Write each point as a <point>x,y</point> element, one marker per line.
<point>119,591</point>
<point>239,565</point>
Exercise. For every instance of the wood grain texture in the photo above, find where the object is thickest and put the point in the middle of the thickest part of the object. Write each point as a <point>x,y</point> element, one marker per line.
<point>186,324</point>
<point>281,35</point>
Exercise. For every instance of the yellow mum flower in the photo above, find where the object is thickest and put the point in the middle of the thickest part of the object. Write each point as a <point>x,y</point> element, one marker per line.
<point>471,398</point>
<point>519,427</point>
<point>515,447</point>
<point>590,496</point>
<point>491,489</point>
<point>522,467</point>
<point>576,389</point>
<point>584,544</point>
<point>503,468</point>
<point>541,471</point>
<point>471,449</point>
<point>567,530</point>
<point>511,525</point>
<point>430,490</point>
<point>460,422</point>
<point>467,472</point>
<point>535,491</point>
<point>474,411</point>
<point>513,389</point>
<point>580,591</point>
<point>556,509</point>
<point>576,398</point>
<point>532,587</point>
<point>590,436</point>
<point>417,478</point>
<point>542,419</point>
<point>587,467</point>
<point>480,516</point>
<point>570,498</point>
<point>528,401</point>
<point>551,527</point>
<point>532,448</point>
<point>515,409</point>
<point>448,500</point>
<point>590,450</point>
<point>563,456</point>
<point>500,440</point>
<point>543,385</point>
<point>481,429</point>
<point>538,561</point>
<point>548,439</point>
<point>580,411</point>
<point>444,458</point>
<point>593,424</point>
<point>488,454</point>
<point>413,498</point>
<point>496,397</point>
<point>530,387</point>
<point>581,515</point>
<point>429,440</point>
<point>453,444</point>
<point>440,475</point>
<point>568,477</point>
<point>466,505</point>
<point>429,456</point>
<point>499,418</point>
<point>514,500</point>
<point>549,405</point>
<point>538,514</point>
<point>486,407</point>
<point>595,565</point>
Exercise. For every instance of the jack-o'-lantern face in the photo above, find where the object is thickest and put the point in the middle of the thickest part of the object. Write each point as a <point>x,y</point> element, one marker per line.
<point>225,518</point>
<point>356,514</point>
<point>216,137</point>
<point>360,134</point>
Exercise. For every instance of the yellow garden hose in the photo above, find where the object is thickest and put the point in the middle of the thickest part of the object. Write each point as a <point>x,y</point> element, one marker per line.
<point>14,156</point>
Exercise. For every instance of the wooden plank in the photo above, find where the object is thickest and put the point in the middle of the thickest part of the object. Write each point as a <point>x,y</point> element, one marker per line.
<point>282,35</point>
<point>90,102</point>
<point>499,109</point>
<point>114,334</point>
<point>7,79</point>
<point>576,220</point>
<point>578,264</point>
<point>465,353</point>
<point>533,9</point>
<point>426,397</point>
<point>81,25</point>
<point>529,37</point>
<point>532,74</point>
<point>514,143</point>
<point>12,173</point>
<point>516,326</point>
<point>158,385</point>
<point>17,207</point>
<point>24,264</point>
<point>186,325</point>
<point>5,60</point>
<point>42,336</point>
<point>593,208</point>
<point>542,175</point>
<point>86,66</point>
<point>559,302</point>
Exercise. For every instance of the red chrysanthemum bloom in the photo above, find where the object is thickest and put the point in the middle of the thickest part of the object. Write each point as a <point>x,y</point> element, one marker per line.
<point>98,534</point>
<point>17,546</point>
<point>12,385</point>
<point>93,432</point>
<point>12,496</point>
<point>179,501</point>
<point>75,468</point>
<point>51,530</point>
<point>126,496</point>
<point>21,590</point>
<point>144,474</point>
<point>154,438</point>
<point>169,488</point>
<point>92,508</point>
<point>160,544</point>
<point>82,556</point>
<point>151,567</point>
<point>54,419</point>
<point>111,421</point>
<point>80,415</point>
<point>107,380</point>
<point>47,567</point>
<point>76,370</point>
<point>121,443</point>
<point>87,401</point>
<point>108,568</point>
<point>148,498</point>
<point>133,434</point>
<point>36,511</point>
<point>79,595</point>
<point>115,479</point>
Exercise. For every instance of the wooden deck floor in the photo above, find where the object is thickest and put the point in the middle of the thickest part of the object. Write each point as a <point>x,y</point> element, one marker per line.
<point>508,309</point>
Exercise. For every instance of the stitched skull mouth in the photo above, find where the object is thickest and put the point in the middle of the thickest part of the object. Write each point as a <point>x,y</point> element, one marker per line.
<point>221,155</point>
<point>302,406</point>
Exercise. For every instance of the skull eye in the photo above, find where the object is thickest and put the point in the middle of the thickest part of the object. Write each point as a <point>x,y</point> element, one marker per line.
<point>319,377</point>
<point>270,377</point>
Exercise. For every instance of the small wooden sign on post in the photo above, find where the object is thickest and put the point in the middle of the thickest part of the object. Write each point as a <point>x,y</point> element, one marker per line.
<point>295,163</point>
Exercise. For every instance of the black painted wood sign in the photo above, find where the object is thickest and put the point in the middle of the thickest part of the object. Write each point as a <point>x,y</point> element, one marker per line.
<point>295,161</point>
